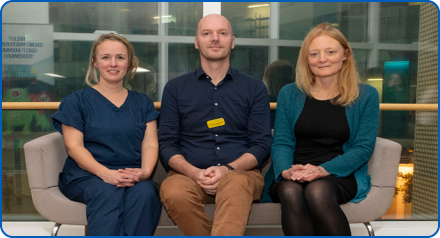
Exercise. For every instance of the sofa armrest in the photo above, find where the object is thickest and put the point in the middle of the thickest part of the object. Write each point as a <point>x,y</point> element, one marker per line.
<point>48,154</point>
<point>384,163</point>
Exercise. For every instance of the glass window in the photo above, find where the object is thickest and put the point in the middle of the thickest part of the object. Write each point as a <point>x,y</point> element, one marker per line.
<point>288,56</point>
<point>248,19</point>
<point>250,60</point>
<point>295,20</point>
<point>19,126</point>
<point>404,64</point>
<point>145,80</point>
<point>398,86</point>
<point>353,20</point>
<point>280,73</point>
<point>183,18</point>
<point>71,59</point>
<point>361,57</point>
<point>399,22</point>
<point>185,58</point>
<point>298,18</point>
<point>88,17</point>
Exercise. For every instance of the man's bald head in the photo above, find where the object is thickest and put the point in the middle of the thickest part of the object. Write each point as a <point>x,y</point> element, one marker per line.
<point>211,19</point>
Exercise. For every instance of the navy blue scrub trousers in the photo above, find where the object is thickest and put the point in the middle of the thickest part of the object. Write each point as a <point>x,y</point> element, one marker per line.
<point>114,211</point>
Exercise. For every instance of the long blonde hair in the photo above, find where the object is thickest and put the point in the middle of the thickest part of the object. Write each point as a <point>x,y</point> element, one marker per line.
<point>348,78</point>
<point>92,77</point>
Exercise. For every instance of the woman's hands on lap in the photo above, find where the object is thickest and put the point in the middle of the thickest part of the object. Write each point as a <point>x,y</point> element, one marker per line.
<point>139,173</point>
<point>124,177</point>
<point>304,173</point>
<point>288,173</point>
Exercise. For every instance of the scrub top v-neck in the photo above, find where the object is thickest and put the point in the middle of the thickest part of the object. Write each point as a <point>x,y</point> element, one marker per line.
<point>113,135</point>
<point>110,104</point>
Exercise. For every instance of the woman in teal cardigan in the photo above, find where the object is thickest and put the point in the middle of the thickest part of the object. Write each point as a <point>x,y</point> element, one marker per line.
<point>325,131</point>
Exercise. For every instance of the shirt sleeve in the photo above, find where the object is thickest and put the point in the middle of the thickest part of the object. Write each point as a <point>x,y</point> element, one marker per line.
<point>69,113</point>
<point>258,129</point>
<point>151,112</point>
<point>363,139</point>
<point>169,125</point>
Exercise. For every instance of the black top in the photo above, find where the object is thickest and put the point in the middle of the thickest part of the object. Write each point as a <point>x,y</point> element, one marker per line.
<point>320,131</point>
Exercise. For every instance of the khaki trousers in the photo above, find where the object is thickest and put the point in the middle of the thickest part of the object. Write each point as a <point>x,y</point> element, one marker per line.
<point>184,200</point>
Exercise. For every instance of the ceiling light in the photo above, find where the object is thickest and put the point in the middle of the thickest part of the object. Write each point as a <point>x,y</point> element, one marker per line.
<point>105,32</point>
<point>54,75</point>
<point>375,79</point>
<point>162,17</point>
<point>141,70</point>
<point>261,5</point>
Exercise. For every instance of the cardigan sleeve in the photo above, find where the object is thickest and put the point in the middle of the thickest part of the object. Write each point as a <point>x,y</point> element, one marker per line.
<point>365,121</point>
<point>283,145</point>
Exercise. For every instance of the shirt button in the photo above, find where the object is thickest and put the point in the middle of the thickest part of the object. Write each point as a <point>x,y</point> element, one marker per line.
<point>216,135</point>
<point>218,148</point>
<point>215,88</point>
<point>207,76</point>
<point>216,104</point>
<point>218,164</point>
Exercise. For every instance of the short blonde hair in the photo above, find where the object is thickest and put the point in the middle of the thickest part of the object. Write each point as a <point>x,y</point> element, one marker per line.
<point>92,77</point>
<point>348,79</point>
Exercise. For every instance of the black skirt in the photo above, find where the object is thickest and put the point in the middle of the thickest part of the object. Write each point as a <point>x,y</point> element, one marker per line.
<point>346,186</point>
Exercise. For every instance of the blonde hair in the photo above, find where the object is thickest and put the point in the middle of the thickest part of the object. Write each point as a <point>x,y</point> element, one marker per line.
<point>348,78</point>
<point>92,77</point>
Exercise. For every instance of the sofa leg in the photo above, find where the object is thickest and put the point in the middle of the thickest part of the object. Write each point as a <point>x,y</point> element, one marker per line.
<point>369,228</point>
<point>55,229</point>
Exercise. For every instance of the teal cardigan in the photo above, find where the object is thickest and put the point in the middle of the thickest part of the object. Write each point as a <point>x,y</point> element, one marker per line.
<point>363,121</point>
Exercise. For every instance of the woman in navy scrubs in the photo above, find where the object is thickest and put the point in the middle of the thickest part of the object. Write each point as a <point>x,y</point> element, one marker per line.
<point>111,139</point>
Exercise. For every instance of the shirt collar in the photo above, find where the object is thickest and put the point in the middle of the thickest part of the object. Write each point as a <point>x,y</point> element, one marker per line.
<point>202,75</point>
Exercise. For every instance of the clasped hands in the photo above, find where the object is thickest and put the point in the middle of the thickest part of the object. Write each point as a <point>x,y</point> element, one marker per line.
<point>304,173</point>
<point>127,177</point>
<point>208,178</point>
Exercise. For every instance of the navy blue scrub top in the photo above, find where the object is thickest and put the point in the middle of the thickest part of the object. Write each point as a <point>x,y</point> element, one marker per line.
<point>112,135</point>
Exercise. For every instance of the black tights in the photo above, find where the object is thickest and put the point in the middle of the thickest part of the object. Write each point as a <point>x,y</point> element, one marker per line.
<point>310,209</point>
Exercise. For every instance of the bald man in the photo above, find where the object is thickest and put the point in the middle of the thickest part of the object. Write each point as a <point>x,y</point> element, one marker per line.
<point>214,136</point>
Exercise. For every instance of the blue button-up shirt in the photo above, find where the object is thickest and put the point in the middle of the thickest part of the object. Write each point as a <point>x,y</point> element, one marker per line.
<point>191,100</point>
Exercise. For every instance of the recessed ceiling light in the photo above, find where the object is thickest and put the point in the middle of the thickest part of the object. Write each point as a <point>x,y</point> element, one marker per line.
<point>54,75</point>
<point>375,79</point>
<point>261,5</point>
<point>141,70</point>
<point>162,17</point>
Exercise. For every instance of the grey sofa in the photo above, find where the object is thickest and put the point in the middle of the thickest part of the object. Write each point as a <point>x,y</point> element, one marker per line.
<point>45,157</point>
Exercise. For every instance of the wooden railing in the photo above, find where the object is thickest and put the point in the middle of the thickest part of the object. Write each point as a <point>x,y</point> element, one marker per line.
<point>273,105</point>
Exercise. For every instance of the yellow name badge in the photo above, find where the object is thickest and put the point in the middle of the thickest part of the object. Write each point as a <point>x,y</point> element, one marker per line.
<point>216,122</point>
